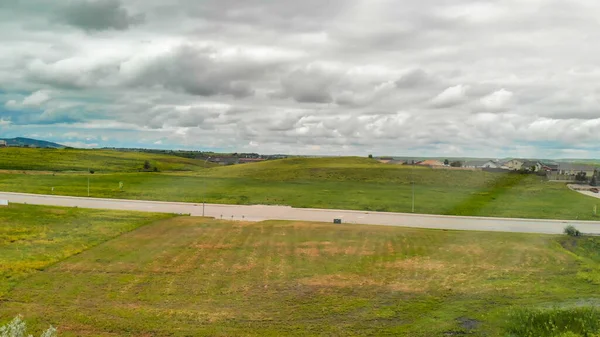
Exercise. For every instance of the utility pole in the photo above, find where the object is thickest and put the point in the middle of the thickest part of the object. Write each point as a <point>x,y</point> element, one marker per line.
<point>204,189</point>
<point>412,178</point>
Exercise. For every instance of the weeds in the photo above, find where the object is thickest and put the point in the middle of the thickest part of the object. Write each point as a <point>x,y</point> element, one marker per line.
<point>18,328</point>
<point>556,322</point>
<point>570,230</point>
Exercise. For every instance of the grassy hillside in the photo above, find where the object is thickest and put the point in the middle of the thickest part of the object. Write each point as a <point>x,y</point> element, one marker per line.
<point>34,237</point>
<point>342,183</point>
<point>350,169</point>
<point>197,277</point>
<point>98,160</point>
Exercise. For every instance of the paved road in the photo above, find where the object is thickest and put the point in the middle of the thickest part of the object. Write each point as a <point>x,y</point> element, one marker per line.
<point>260,213</point>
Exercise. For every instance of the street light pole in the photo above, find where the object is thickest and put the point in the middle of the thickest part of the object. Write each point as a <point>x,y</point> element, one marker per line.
<point>412,178</point>
<point>204,189</point>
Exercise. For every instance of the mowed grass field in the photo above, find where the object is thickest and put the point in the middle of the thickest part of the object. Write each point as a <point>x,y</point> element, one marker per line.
<point>201,277</point>
<point>59,160</point>
<point>33,237</point>
<point>339,183</point>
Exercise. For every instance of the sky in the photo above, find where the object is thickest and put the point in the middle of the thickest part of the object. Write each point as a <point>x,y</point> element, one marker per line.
<point>508,78</point>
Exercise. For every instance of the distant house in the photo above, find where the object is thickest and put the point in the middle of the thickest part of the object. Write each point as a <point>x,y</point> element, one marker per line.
<point>3,143</point>
<point>397,162</point>
<point>224,160</point>
<point>531,165</point>
<point>385,160</point>
<point>431,163</point>
<point>474,163</point>
<point>514,164</point>
<point>250,160</point>
<point>569,169</point>
<point>549,167</point>
<point>481,164</point>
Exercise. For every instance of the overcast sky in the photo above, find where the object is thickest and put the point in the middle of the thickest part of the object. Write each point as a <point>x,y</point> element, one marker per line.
<point>516,78</point>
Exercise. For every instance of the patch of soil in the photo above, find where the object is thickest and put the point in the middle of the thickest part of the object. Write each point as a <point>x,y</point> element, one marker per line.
<point>468,323</point>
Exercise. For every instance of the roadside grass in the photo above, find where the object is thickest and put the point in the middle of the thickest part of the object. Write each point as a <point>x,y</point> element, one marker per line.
<point>35,237</point>
<point>567,322</point>
<point>56,160</point>
<point>192,276</point>
<point>349,183</point>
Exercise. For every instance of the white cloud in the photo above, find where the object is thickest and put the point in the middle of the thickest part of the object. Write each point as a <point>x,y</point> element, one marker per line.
<point>450,97</point>
<point>34,100</point>
<point>497,101</point>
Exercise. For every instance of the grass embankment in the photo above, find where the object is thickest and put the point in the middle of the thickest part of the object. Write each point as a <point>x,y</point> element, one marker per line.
<point>341,183</point>
<point>194,277</point>
<point>34,237</point>
<point>57,160</point>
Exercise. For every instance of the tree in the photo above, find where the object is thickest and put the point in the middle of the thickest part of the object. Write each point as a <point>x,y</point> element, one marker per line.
<point>581,176</point>
<point>370,156</point>
<point>594,181</point>
<point>147,166</point>
<point>456,164</point>
<point>446,162</point>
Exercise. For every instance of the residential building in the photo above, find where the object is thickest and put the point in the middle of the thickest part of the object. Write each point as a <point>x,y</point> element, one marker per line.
<point>572,169</point>
<point>484,164</point>
<point>531,165</point>
<point>250,160</point>
<point>475,163</point>
<point>224,160</point>
<point>514,164</point>
<point>549,166</point>
<point>3,143</point>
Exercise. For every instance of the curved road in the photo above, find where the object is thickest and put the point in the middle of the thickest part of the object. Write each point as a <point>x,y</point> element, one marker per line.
<point>260,213</point>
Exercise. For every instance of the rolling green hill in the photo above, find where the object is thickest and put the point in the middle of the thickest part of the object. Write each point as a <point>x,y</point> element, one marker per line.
<point>97,160</point>
<point>20,141</point>
<point>338,183</point>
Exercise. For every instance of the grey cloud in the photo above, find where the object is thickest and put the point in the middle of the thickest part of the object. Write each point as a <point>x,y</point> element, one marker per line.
<point>98,15</point>
<point>309,84</point>
<point>196,72</point>
<point>413,79</point>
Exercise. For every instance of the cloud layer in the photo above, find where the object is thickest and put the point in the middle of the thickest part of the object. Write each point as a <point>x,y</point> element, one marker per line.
<point>460,78</point>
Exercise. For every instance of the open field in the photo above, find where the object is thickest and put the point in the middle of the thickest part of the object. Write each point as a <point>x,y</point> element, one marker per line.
<point>56,160</point>
<point>338,183</point>
<point>34,237</point>
<point>194,276</point>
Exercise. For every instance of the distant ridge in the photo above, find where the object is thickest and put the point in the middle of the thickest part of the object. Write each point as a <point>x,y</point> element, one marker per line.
<point>28,142</point>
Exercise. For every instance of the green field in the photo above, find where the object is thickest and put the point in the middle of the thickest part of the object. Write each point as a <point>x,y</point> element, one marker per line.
<point>34,237</point>
<point>339,183</point>
<point>59,160</point>
<point>196,277</point>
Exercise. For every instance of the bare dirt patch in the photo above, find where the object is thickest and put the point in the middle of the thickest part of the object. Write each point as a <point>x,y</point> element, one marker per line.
<point>311,251</point>
<point>351,281</point>
<point>419,263</point>
<point>209,246</point>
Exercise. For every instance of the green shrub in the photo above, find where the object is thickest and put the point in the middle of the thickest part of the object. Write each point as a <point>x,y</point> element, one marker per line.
<point>557,322</point>
<point>18,328</point>
<point>570,230</point>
